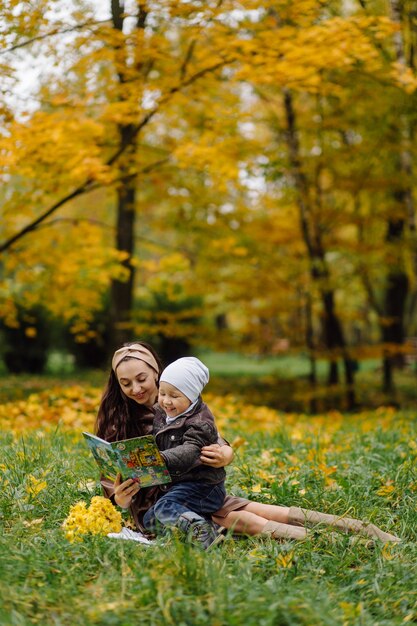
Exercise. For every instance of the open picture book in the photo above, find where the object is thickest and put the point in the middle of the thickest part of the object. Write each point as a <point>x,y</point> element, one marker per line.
<point>132,458</point>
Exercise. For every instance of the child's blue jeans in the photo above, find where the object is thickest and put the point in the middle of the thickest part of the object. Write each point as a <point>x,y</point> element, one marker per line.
<point>200,498</point>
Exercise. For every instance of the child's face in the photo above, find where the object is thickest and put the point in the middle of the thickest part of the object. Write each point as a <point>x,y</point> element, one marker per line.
<point>171,400</point>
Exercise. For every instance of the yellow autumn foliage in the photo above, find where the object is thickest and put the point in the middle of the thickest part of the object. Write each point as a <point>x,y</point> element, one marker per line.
<point>74,408</point>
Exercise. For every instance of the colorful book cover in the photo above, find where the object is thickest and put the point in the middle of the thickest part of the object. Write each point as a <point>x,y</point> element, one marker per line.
<point>133,458</point>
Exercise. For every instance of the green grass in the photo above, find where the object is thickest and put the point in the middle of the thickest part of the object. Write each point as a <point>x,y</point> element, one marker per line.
<point>234,365</point>
<point>280,382</point>
<point>285,366</point>
<point>46,580</point>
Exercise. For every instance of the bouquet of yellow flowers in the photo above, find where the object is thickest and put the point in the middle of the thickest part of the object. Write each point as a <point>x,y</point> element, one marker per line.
<point>100,518</point>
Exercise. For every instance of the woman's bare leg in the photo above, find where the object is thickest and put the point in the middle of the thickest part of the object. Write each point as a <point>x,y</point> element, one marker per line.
<point>271,512</point>
<point>242,522</point>
<point>252,518</point>
<point>249,523</point>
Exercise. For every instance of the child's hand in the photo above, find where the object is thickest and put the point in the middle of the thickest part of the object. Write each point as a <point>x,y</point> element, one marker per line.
<point>124,492</point>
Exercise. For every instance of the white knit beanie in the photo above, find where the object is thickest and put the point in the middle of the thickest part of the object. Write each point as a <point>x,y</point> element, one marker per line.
<point>189,375</point>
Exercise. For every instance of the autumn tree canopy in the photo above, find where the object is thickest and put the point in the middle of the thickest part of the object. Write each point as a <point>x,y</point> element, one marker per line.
<point>244,165</point>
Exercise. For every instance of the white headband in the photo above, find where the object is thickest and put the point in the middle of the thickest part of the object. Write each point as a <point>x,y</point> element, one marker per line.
<point>189,375</point>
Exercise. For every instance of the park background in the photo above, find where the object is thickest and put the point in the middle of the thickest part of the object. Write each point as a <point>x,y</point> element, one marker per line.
<point>234,180</point>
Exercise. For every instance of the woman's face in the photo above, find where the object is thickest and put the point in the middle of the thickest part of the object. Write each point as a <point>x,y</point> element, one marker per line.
<point>138,381</point>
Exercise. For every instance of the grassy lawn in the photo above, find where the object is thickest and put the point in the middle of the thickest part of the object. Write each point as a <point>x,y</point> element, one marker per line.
<point>284,366</point>
<point>280,382</point>
<point>363,465</point>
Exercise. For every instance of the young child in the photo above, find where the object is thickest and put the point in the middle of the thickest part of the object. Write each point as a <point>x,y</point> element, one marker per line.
<point>183,424</point>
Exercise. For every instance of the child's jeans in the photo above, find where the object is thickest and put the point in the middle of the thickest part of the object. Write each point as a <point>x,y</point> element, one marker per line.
<point>201,498</point>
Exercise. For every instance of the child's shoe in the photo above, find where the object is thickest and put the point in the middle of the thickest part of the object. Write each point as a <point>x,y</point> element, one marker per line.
<point>199,530</point>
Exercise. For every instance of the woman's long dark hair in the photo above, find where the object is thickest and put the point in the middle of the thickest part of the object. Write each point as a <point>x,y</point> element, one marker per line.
<point>119,417</point>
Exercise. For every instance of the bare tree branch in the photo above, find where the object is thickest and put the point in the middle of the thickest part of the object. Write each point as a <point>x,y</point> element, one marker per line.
<point>84,188</point>
<point>79,220</point>
<point>187,58</point>
<point>88,185</point>
<point>56,31</point>
<point>75,221</point>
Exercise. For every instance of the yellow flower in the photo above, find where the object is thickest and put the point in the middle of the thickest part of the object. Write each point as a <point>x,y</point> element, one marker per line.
<point>100,518</point>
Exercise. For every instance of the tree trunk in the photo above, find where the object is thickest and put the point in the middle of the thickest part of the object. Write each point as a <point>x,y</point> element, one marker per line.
<point>397,283</point>
<point>311,351</point>
<point>121,302</point>
<point>395,297</point>
<point>122,291</point>
<point>332,329</point>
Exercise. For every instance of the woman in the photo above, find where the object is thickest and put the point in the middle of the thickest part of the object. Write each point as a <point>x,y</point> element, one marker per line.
<point>126,410</point>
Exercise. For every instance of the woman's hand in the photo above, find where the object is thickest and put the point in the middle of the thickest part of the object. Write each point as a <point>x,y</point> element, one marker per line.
<point>216,456</point>
<point>124,492</point>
